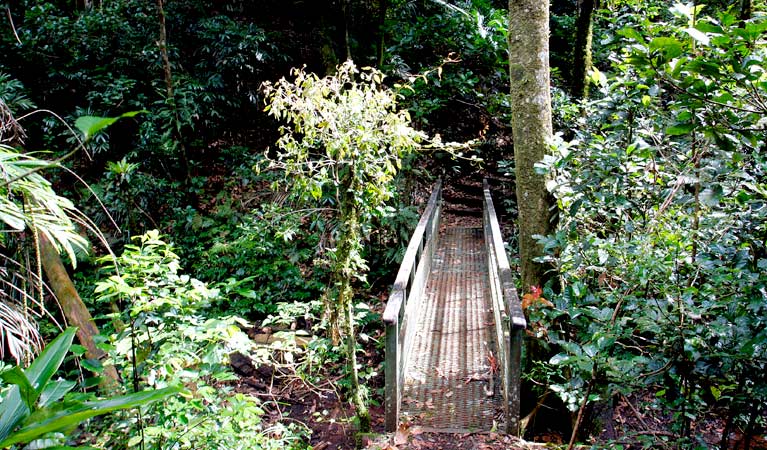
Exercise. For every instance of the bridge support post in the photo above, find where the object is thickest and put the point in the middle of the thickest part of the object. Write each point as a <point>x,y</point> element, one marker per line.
<point>393,396</point>
<point>515,363</point>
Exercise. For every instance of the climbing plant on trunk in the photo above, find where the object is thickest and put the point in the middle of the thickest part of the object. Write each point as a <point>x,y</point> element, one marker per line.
<point>344,141</point>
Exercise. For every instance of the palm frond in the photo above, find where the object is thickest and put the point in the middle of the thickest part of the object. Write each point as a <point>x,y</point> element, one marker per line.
<point>19,336</point>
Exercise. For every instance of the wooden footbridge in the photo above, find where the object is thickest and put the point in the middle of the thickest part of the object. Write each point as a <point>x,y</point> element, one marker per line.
<point>454,328</point>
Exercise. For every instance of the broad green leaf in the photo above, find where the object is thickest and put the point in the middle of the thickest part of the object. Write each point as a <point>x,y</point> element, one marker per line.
<point>559,359</point>
<point>47,363</point>
<point>90,125</point>
<point>680,129</point>
<point>77,350</point>
<point>26,391</point>
<point>11,214</point>
<point>708,27</point>
<point>669,48</point>
<point>41,370</point>
<point>712,195</point>
<point>94,365</point>
<point>54,391</point>
<point>716,392</point>
<point>631,33</point>
<point>70,417</point>
<point>684,116</point>
<point>705,67</point>
<point>698,35</point>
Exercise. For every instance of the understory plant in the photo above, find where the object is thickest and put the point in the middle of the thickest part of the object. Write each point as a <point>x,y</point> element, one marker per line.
<point>267,259</point>
<point>341,147</point>
<point>36,409</point>
<point>170,339</point>
<point>663,220</point>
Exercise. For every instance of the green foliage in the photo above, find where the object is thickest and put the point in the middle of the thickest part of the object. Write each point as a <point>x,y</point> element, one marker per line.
<point>32,408</point>
<point>470,35</point>
<point>347,138</point>
<point>28,200</point>
<point>662,227</point>
<point>231,54</point>
<point>341,127</point>
<point>91,125</point>
<point>13,94</point>
<point>389,236</point>
<point>266,260</point>
<point>29,209</point>
<point>172,341</point>
<point>104,61</point>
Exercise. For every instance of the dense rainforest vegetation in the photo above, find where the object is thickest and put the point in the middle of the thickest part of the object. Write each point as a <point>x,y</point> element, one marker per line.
<point>205,202</point>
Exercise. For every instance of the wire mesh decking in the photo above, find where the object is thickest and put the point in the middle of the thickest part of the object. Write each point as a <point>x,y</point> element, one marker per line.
<point>450,380</point>
<point>454,328</point>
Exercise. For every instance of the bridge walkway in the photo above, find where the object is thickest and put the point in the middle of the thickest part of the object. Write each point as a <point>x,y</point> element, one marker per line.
<point>450,378</point>
<point>454,328</point>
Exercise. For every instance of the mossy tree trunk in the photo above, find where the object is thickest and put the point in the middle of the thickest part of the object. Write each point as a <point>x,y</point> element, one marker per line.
<point>341,308</point>
<point>584,32</point>
<point>531,127</point>
<point>72,305</point>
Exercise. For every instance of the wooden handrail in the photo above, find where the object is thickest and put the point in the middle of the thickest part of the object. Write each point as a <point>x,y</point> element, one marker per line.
<point>403,306</point>
<point>507,310</point>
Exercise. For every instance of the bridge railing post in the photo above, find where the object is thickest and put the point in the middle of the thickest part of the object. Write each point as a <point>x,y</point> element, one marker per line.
<point>403,308</point>
<point>509,318</point>
<point>393,396</point>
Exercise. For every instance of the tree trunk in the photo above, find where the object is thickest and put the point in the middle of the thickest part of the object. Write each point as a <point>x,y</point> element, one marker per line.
<point>383,7</point>
<point>347,40</point>
<point>582,52</point>
<point>75,311</point>
<point>746,9</point>
<point>162,44</point>
<point>531,127</point>
<point>342,309</point>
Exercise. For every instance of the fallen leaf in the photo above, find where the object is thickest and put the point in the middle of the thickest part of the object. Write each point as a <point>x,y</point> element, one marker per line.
<point>476,377</point>
<point>493,361</point>
<point>402,434</point>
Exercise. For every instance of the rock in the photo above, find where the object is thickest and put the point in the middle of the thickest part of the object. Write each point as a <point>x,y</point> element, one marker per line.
<point>242,365</point>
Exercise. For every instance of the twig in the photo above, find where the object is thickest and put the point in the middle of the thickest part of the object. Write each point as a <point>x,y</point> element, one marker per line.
<point>580,414</point>
<point>636,413</point>
<point>658,371</point>
<point>644,424</point>
<point>13,27</point>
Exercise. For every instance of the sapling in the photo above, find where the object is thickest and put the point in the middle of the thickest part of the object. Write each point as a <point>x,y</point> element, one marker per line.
<point>344,139</point>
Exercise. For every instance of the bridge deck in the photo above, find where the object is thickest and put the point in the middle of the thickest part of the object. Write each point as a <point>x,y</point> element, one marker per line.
<point>449,380</point>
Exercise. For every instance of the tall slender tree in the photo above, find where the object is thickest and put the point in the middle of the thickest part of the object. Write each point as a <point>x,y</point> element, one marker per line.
<point>584,32</point>
<point>531,127</point>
